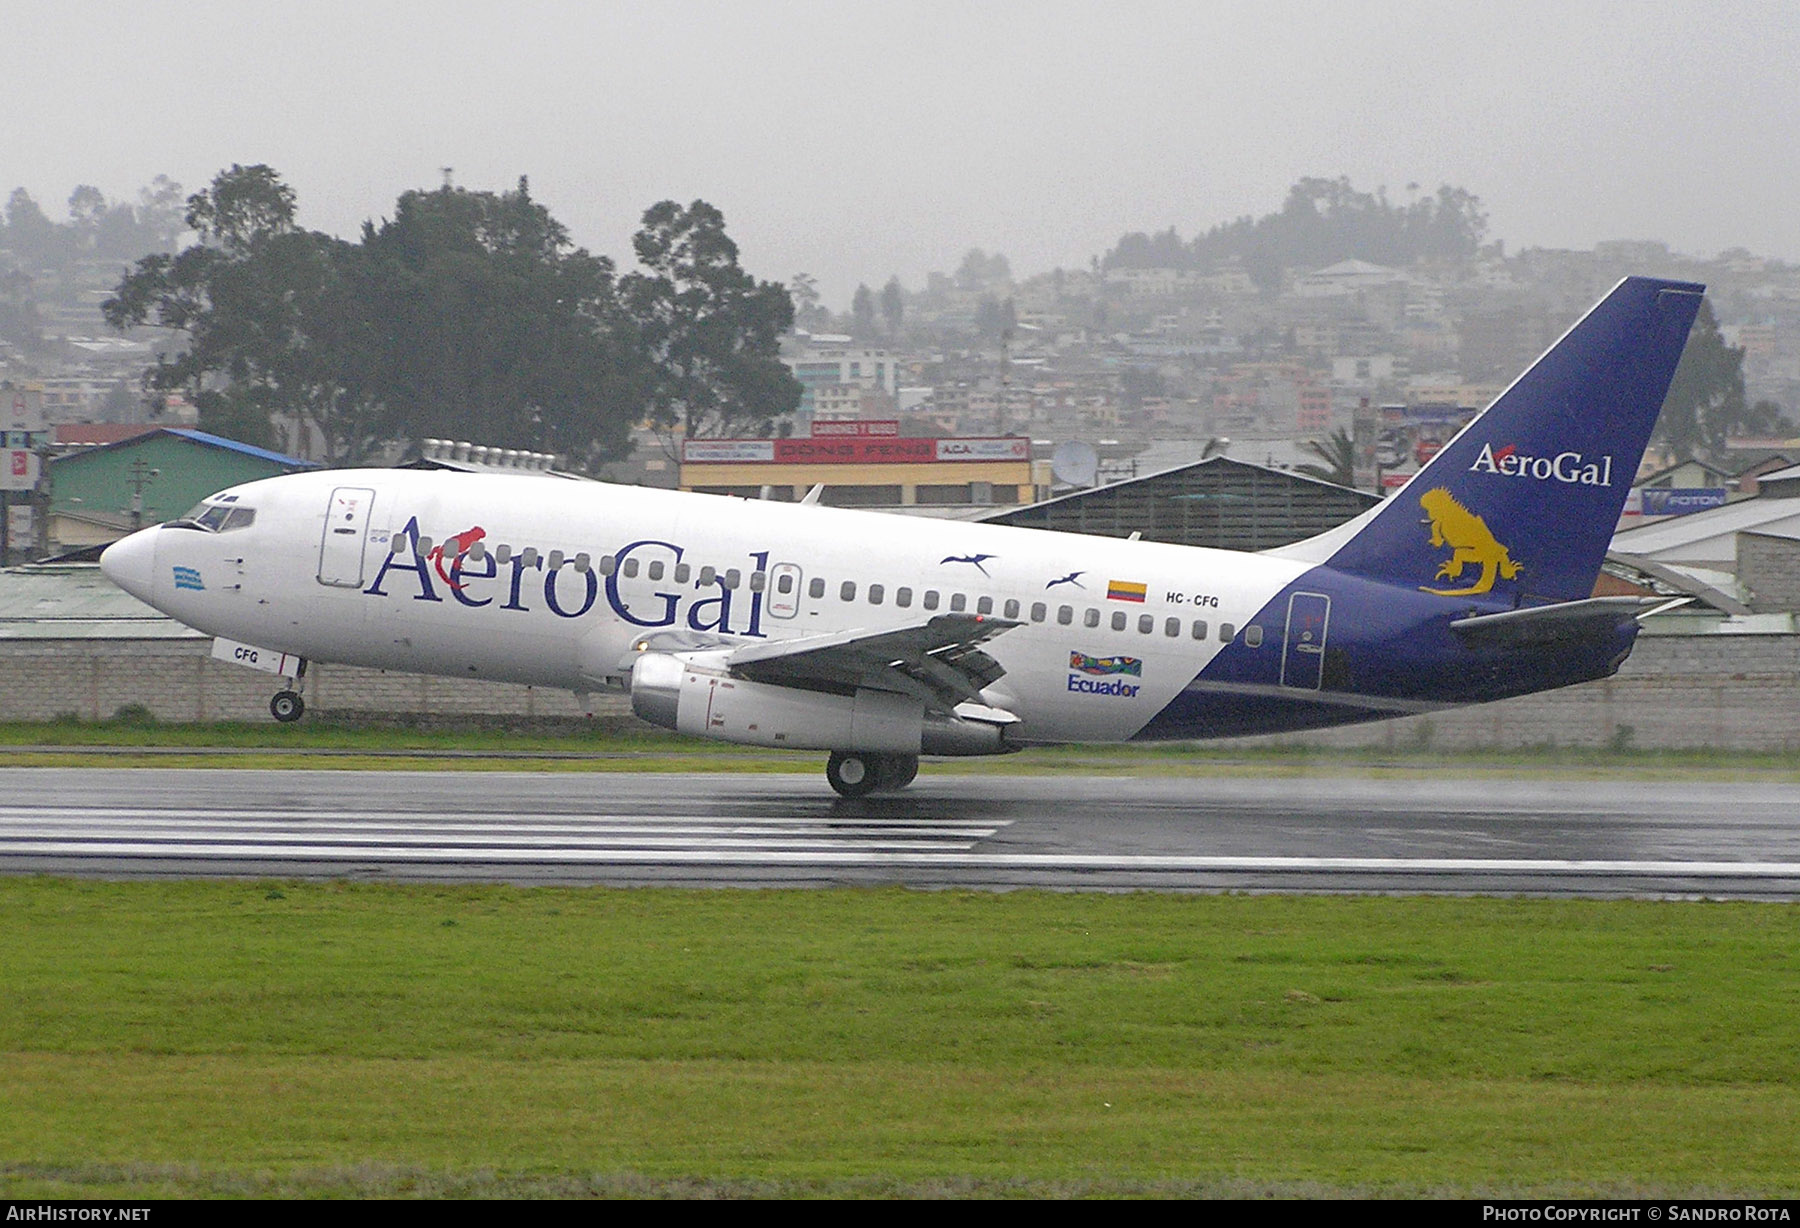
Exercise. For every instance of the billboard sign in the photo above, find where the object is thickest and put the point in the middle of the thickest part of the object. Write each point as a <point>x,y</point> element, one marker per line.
<point>1679,500</point>
<point>18,469</point>
<point>829,429</point>
<point>853,450</point>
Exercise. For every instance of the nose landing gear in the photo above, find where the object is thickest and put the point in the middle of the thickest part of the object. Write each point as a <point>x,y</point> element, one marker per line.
<point>287,706</point>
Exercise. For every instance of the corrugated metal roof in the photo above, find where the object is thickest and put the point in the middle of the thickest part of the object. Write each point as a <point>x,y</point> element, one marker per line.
<point>74,601</point>
<point>1778,516</point>
<point>191,436</point>
<point>219,441</point>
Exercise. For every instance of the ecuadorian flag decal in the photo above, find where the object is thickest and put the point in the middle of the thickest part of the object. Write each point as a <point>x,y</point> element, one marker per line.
<point>1125,590</point>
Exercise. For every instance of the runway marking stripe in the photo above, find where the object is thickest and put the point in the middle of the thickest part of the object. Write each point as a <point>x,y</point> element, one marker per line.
<point>1301,865</point>
<point>323,831</point>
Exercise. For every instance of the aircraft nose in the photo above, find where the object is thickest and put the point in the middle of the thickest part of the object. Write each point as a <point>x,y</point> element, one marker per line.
<point>130,563</point>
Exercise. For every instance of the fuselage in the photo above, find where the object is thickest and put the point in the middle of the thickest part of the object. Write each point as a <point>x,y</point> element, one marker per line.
<point>556,583</point>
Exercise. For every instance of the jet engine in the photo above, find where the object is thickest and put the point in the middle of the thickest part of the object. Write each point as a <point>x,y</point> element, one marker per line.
<point>692,693</point>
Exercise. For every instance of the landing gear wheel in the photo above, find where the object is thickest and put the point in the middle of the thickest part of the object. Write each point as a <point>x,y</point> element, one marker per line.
<point>287,706</point>
<point>897,771</point>
<point>853,774</point>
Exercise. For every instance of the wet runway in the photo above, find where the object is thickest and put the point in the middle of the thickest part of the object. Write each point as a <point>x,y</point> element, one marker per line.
<point>1351,833</point>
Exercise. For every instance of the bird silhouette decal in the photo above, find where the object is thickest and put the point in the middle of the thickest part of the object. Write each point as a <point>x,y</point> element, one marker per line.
<point>975,560</point>
<point>1069,579</point>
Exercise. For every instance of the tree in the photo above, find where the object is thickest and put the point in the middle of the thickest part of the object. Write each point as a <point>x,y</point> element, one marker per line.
<point>246,205</point>
<point>162,212</point>
<point>1706,398</point>
<point>234,300</point>
<point>712,332</point>
<point>862,310</point>
<point>493,325</point>
<point>1336,458</point>
<point>893,304</point>
<point>1320,222</point>
<point>37,241</point>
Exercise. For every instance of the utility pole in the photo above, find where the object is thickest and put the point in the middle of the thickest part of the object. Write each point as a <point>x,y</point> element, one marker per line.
<point>141,476</point>
<point>1005,380</point>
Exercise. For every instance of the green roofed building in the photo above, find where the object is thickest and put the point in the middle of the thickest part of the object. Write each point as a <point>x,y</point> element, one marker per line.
<point>94,491</point>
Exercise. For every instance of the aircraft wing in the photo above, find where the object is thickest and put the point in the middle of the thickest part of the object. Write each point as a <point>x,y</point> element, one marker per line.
<point>1547,624</point>
<point>939,661</point>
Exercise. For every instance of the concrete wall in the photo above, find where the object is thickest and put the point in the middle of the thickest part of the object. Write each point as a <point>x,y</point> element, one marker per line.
<point>179,681</point>
<point>1739,691</point>
<point>1676,691</point>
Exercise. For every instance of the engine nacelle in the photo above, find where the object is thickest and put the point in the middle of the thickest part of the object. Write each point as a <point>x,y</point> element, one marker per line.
<point>688,697</point>
<point>693,694</point>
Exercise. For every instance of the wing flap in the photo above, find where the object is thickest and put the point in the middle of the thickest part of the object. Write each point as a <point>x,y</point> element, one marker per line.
<point>939,661</point>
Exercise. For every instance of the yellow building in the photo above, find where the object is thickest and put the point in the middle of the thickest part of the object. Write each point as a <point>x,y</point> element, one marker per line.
<point>864,464</point>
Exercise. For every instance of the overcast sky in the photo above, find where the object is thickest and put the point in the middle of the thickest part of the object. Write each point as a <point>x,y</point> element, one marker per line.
<point>858,140</point>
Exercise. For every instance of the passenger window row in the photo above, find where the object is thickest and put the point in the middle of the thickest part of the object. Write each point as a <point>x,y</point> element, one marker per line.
<point>877,594</point>
<point>681,573</point>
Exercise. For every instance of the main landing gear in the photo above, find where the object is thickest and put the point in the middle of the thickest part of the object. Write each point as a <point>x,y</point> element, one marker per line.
<point>859,773</point>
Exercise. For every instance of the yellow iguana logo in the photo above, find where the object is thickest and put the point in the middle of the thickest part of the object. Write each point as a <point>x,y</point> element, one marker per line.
<point>1470,541</point>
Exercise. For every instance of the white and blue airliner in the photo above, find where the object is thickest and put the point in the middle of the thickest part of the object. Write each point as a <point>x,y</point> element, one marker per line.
<point>879,638</point>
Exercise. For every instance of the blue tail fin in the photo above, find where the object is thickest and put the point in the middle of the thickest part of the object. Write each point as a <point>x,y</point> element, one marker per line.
<point>1520,506</point>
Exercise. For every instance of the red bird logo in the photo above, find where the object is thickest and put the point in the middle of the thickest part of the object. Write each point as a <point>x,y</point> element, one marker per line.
<point>457,547</point>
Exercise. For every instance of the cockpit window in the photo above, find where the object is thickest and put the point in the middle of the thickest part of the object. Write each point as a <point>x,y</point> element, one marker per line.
<point>219,517</point>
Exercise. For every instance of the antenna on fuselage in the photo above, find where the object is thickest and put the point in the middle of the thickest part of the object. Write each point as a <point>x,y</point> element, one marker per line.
<point>812,496</point>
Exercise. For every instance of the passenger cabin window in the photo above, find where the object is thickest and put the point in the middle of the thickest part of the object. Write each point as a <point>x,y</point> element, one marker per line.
<point>1253,635</point>
<point>1011,609</point>
<point>631,569</point>
<point>984,605</point>
<point>876,593</point>
<point>708,575</point>
<point>1065,614</point>
<point>958,603</point>
<point>759,580</point>
<point>1227,633</point>
<point>608,564</point>
<point>1172,628</point>
<point>1090,617</point>
<point>931,599</point>
<point>681,572</point>
<point>784,583</point>
<point>530,559</point>
<point>1199,628</point>
<point>503,556</point>
<point>903,597</point>
<point>1038,611</point>
<point>1146,623</point>
<point>847,591</point>
<point>816,588</point>
<point>424,546</point>
<point>582,561</point>
<point>733,578</point>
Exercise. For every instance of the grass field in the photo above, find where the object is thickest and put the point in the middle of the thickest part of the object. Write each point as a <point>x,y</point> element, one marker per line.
<point>631,748</point>
<point>326,1039</point>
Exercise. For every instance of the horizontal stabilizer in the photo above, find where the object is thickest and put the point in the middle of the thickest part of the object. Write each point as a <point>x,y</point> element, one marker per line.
<point>1547,624</point>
